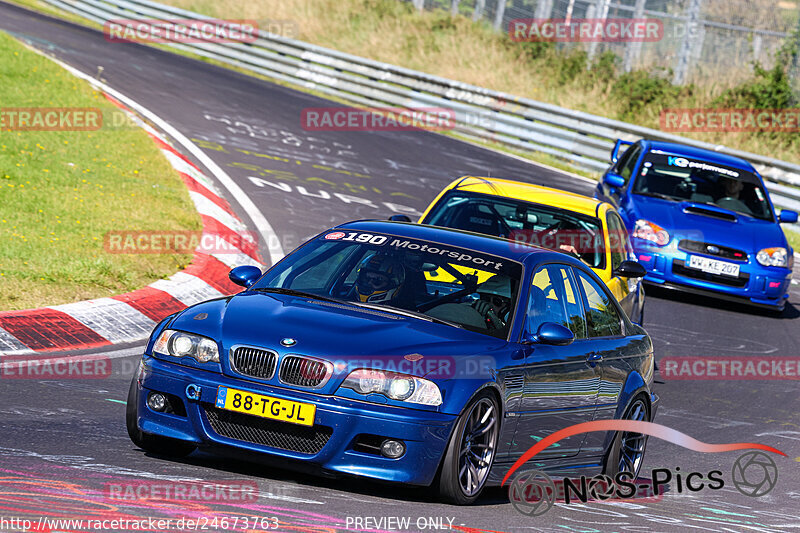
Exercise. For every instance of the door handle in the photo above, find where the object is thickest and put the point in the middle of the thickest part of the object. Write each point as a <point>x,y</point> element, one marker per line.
<point>594,358</point>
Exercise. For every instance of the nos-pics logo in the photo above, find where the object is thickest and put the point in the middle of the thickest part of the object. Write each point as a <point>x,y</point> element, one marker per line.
<point>533,492</point>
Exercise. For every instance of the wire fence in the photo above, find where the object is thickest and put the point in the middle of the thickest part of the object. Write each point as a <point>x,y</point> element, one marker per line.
<point>703,40</point>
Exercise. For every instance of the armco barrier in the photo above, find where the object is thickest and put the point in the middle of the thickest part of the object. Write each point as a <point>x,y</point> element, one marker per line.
<point>579,138</point>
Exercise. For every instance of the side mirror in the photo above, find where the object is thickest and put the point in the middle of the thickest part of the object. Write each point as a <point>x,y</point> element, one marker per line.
<point>400,218</point>
<point>244,275</point>
<point>554,334</point>
<point>630,269</point>
<point>614,180</point>
<point>787,216</point>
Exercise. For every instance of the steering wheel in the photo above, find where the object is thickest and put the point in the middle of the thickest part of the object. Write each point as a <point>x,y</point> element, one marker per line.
<point>487,311</point>
<point>552,228</point>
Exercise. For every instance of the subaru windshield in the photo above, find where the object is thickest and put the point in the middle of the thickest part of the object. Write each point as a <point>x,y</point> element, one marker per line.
<point>682,179</point>
<point>423,279</point>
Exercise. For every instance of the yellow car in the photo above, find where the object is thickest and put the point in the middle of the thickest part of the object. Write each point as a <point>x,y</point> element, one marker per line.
<point>528,214</point>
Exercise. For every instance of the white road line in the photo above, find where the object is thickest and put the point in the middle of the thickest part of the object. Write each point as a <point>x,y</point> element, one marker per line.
<point>264,228</point>
<point>189,170</point>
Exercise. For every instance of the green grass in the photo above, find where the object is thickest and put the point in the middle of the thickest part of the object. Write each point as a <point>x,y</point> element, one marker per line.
<point>62,191</point>
<point>794,239</point>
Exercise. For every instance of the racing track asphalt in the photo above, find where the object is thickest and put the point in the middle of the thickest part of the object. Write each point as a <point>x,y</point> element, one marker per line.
<point>70,435</point>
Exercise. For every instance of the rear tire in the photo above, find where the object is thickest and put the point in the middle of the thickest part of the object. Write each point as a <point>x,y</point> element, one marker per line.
<point>471,451</point>
<point>147,442</point>
<point>627,449</point>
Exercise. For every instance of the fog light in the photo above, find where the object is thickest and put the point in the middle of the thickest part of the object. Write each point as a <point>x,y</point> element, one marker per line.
<point>393,448</point>
<point>157,401</point>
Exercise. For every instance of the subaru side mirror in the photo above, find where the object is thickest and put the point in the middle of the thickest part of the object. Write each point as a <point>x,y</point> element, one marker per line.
<point>787,216</point>
<point>614,181</point>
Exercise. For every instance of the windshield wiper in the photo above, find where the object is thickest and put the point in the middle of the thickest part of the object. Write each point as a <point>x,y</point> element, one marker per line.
<point>302,294</point>
<point>657,195</point>
<point>406,312</point>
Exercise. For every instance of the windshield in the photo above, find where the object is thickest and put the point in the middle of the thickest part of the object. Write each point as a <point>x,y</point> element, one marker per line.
<point>523,222</point>
<point>421,279</point>
<point>681,179</point>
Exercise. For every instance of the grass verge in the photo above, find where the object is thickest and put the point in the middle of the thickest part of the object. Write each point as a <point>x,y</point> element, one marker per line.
<point>62,191</point>
<point>794,239</point>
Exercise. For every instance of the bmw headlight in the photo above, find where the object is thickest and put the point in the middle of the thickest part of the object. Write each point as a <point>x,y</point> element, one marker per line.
<point>180,344</point>
<point>394,385</point>
<point>649,231</point>
<point>773,257</point>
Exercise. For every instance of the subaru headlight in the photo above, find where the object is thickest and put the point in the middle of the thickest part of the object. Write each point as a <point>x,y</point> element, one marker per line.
<point>773,257</point>
<point>651,232</point>
<point>394,385</point>
<point>180,344</point>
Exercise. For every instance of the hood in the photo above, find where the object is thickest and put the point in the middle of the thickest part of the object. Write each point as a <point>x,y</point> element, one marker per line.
<point>686,220</point>
<point>345,335</point>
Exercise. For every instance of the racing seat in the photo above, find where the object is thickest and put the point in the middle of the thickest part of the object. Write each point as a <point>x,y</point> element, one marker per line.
<point>413,291</point>
<point>471,218</point>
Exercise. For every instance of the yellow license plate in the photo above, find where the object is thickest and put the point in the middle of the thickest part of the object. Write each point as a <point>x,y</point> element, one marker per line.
<point>265,406</point>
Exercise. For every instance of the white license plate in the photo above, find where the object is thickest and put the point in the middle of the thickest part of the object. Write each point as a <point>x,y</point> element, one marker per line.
<point>714,266</point>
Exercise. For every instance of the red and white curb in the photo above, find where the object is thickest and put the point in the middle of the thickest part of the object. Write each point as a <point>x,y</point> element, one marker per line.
<point>131,317</point>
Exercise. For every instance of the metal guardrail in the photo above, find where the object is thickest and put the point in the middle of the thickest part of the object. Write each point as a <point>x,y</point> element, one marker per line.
<point>580,139</point>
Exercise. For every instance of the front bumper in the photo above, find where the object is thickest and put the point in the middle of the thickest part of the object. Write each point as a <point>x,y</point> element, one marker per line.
<point>757,285</point>
<point>328,445</point>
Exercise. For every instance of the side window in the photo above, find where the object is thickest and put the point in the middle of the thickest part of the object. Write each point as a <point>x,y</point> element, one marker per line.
<point>554,298</point>
<point>575,320</point>
<point>626,167</point>
<point>618,238</point>
<point>623,159</point>
<point>602,317</point>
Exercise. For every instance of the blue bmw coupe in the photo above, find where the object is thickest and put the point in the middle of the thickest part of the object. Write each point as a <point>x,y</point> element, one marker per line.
<point>403,353</point>
<point>701,221</point>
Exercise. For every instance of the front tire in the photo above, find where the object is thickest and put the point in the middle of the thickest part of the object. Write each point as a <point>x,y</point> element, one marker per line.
<point>147,442</point>
<point>471,451</point>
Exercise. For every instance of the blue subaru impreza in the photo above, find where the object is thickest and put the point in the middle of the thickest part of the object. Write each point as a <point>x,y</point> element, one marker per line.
<point>403,353</point>
<point>701,221</point>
